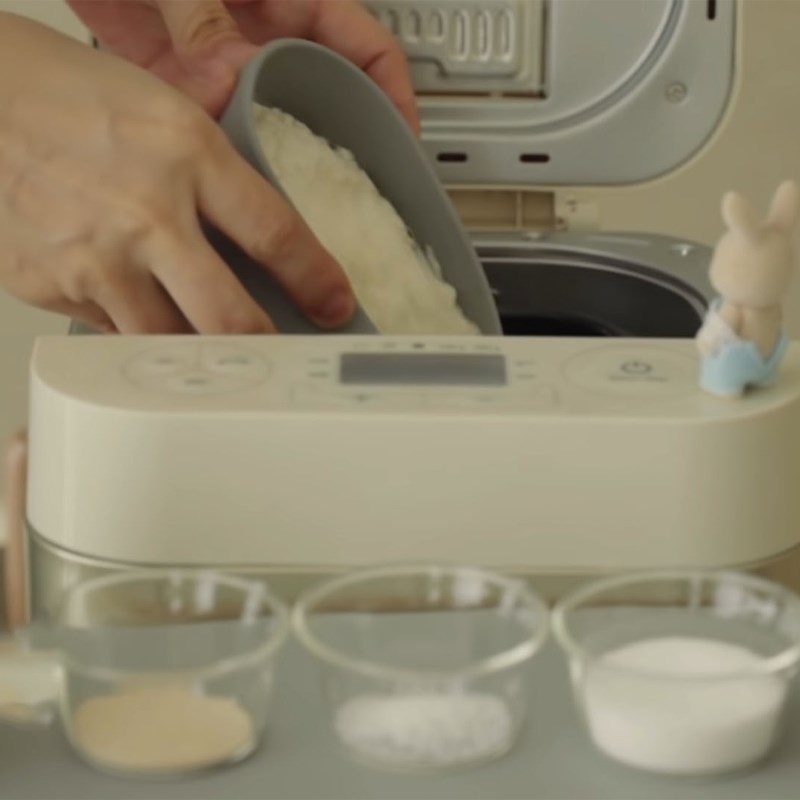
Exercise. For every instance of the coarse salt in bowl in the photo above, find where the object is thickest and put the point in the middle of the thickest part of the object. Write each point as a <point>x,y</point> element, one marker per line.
<point>683,672</point>
<point>423,666</point>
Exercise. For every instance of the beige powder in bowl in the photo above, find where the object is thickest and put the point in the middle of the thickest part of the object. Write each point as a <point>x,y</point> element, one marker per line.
<point>161,729</point>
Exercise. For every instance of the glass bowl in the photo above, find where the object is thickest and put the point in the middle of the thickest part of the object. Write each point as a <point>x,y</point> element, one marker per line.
<point>423,667</point>
<point>167,672</point>
<point>682,672</point>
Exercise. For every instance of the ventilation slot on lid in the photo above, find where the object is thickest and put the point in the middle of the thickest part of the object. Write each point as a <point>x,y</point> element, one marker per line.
<point>711,9</point>
<point>483,33</point>
<point>534,158</point>
<point>391,19</point>
<point>492,49</point>
<point>451,158</point>
<point>459,46</point>
<point>413,28</point>
<point>436,26</point>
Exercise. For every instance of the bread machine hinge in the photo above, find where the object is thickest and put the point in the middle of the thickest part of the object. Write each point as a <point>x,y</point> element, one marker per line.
<point>502,209</point>
<point>574,212</point>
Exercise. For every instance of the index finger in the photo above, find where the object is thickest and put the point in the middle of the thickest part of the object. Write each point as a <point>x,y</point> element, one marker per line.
<point>239,202</point>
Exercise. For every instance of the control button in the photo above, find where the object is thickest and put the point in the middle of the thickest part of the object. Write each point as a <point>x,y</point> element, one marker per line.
<point>636,367</point>
<point>394,401</point>
<point>461,402</point>
<point>166,360</point>
<point>325,397</point>
<point>163,363</point>
<point>532,399</point>
<point>537,396</point>
<point>312,396</point>
<point>220,359</point>
<point>634,371</point>
<point>201,382</point>
<point>194,368</point>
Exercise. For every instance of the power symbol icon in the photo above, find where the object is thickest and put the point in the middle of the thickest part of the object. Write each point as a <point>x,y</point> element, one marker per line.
<point>636,368</point>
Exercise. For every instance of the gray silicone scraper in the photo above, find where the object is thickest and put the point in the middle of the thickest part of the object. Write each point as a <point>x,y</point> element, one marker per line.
<point>339,102</point>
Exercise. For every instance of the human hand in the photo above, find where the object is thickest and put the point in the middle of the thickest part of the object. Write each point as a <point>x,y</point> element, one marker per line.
<point>105,174</point>
<point>200,46</point>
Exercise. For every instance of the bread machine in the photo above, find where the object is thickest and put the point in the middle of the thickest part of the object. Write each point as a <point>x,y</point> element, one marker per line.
<point>577,443</point>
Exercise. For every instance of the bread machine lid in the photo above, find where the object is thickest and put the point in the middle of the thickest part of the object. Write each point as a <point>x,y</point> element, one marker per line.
<point>565,92</point>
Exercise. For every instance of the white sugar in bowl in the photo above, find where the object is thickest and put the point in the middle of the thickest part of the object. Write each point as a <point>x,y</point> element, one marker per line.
<point>682,673</point>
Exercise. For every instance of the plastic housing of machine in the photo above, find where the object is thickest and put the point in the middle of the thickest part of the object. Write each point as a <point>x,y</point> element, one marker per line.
<point>313,453</point>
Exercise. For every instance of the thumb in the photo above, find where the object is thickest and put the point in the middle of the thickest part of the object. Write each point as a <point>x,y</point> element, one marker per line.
<point>205,36</point>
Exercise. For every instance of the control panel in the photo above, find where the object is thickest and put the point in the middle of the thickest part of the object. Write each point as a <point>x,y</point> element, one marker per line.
<point>192,368</point>
<point>408,375</point>
<point>361,374</point>
<point>417,374</point>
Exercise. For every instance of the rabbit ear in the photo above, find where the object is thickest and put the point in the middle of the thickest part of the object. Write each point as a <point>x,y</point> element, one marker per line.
<point>739,215</point>
<point>784,207</point>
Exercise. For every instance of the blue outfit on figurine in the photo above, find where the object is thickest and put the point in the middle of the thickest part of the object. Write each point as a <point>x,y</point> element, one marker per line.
<point>737,363</point>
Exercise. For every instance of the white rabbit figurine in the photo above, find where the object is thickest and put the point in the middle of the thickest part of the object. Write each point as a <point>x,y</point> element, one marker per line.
<point>741,340</point>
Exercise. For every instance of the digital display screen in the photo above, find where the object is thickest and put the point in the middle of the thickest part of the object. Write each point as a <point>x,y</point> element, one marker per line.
<point>423,369</point>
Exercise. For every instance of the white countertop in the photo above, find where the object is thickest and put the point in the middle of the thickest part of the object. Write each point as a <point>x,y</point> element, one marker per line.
<point>301,759</point>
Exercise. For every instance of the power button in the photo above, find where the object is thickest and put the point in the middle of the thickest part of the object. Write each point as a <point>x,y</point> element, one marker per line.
<point>633,371</point>
<point>636,367</point>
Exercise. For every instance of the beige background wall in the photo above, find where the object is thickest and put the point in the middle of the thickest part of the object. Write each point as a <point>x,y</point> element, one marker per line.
<point>758,146</point>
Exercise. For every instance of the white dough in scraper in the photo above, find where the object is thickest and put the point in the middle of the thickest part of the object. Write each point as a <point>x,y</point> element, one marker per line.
<point>397,286</point>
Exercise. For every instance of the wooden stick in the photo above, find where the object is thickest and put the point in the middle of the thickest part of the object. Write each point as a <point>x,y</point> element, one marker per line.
<point>16,460</point>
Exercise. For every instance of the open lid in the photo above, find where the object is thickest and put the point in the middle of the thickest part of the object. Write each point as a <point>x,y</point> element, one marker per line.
<point>565,92</point>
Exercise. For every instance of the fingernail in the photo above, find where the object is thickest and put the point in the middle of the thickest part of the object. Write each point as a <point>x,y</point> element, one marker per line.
<point>337,309</point>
